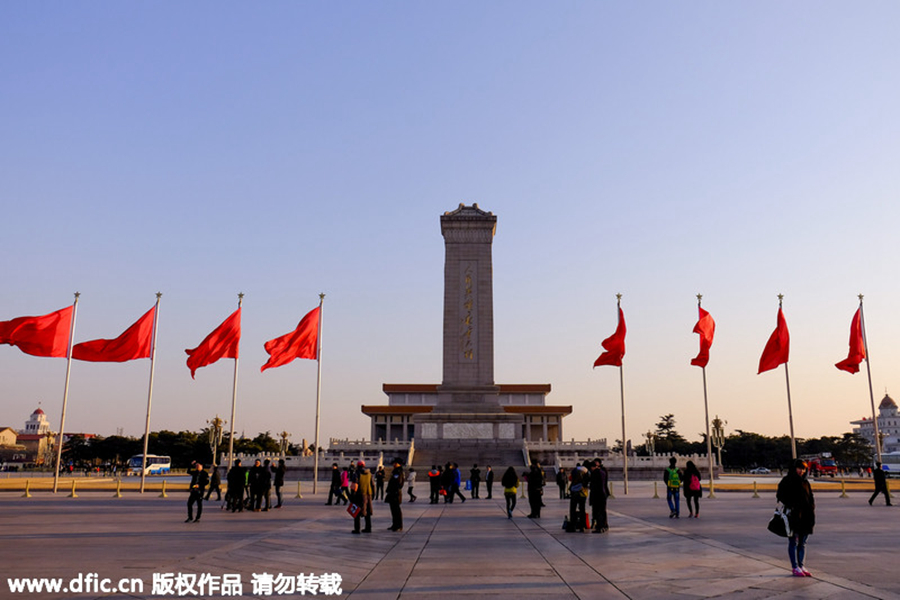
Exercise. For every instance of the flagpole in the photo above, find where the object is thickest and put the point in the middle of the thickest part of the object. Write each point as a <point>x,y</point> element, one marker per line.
<point>233,400</point>
<point>787,379</point>
<point>712,472</point>
<point>622,396</point>
<point>862,326</point>
<point>318,393</point>
<point>150,391</point>
<point>62,418</point>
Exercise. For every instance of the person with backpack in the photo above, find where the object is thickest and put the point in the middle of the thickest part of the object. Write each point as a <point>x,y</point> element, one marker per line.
<point>692,489</point>
<point>578,493</point>
<point>672,478</point>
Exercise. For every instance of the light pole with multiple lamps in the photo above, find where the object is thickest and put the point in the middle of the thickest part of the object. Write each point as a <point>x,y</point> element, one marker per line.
<point>216,432</point>
<point>284,435</point>
<point>718,436</point>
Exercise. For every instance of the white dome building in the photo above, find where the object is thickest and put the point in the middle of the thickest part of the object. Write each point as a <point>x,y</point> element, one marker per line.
<point>37,424</point>
<point>888,426</point>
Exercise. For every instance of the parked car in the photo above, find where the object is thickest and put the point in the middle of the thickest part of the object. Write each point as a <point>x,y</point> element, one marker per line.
<point>760,471</point>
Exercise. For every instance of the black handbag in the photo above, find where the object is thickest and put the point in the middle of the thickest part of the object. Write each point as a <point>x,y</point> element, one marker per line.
<point>779,524</point>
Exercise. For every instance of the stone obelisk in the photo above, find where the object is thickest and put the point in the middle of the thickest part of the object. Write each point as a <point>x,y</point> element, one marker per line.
<point>467,404</point>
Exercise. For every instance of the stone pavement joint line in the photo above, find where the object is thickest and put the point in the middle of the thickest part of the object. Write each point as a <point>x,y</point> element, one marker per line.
<point>469,549</point>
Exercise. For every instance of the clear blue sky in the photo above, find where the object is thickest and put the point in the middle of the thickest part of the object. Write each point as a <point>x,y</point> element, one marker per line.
<point>283,149</point>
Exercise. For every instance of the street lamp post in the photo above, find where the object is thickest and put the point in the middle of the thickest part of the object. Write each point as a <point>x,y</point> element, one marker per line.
<point>216,431</point>
<point>718,436</point>
<point>284,435</point>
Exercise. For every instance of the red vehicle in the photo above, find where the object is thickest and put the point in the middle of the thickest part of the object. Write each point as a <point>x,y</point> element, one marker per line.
<point>821,464</point>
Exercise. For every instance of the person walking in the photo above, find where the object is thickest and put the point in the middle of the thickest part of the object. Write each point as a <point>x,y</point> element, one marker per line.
<point>394,496</point>
<point>672,478</point>
<point>199,481</point>
<point>795,493</point>
<point>880,485</point>
<point>234,493</point>
<point>455,483</point>
<point>345,486</point>
<point>215,483</point>
<point>562,481</point>
<point>489,481</point>
<point>256,484</point>
<point>362,497</point>
<point>510,483</point>
<point>692,489</point>
<point>475,478</point>
<point>266,476</point>
<point>411,483</point>
<point>334,492</point>
<point>434,484</point>
<point>447,482</point>
<point>535,491</point>
<point>599,493</point>
<point>379,483</point>
<point>279,472</point>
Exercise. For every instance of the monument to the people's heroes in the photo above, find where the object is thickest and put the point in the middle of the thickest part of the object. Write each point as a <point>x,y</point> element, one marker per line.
<point>468,417</point>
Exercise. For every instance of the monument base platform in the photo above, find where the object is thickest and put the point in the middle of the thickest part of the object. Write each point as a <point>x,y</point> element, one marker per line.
<point>468,439</point>
<point>451,425</point>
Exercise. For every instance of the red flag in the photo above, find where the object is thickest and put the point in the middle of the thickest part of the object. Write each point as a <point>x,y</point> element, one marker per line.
<point>777,348</point>
<point>300,343</point>
<point>614,345</point>
<point>857,347</point>
<point>134,343</point>
<point>223,342</point>
<point>39,336</point>
<point>706,327</point>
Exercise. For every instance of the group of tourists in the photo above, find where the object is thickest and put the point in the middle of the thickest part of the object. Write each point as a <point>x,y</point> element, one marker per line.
<point>446,482</point>
<point>249,489</point>
<point>794,495</point>
<point>355,486</point>
<point>587,484</point>
<point>676,479</point>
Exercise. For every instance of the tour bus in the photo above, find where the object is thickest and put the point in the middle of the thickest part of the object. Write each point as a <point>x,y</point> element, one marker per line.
<point>156,465</point>
<point>891,464</point>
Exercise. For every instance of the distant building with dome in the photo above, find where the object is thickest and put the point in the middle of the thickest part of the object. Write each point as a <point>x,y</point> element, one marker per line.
<point>888,426</point>
<point>37,423</point>
<point>37,438</point>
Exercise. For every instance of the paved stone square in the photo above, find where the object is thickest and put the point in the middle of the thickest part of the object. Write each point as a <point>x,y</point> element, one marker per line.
<point>468,549</point>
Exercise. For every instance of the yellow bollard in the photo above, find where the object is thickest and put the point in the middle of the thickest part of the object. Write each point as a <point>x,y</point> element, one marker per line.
<point>164,494</point>
<point>27,493</point>
<point>73,494</point>
<point>755,493</point>
<point>611,495</point>
<point>299,495</point>
<point>843,490</point>
<point>655,491</point>
<point>118,493</point>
